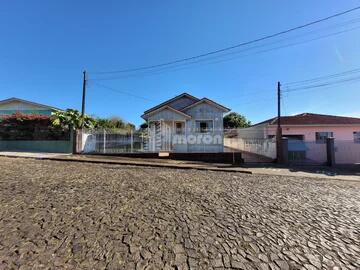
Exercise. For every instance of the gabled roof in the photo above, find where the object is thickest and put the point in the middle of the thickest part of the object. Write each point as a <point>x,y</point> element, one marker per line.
<point>171,100</point>
<point>304,119</point>
<point>209,101</point>
<point>27,102</point>
<point>195,101</point>
<point>145,115</point>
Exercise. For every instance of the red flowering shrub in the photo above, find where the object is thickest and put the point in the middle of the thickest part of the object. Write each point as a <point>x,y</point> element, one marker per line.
<point>20,118</point>
<point>20,126</point>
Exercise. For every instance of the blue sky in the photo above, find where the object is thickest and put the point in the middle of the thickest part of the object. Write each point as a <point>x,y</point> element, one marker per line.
<point>46,45</point>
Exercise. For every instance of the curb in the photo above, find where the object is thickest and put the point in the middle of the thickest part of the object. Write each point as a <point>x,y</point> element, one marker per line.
<point>140,164</point>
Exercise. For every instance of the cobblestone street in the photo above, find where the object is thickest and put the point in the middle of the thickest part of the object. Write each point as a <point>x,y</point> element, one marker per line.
<point>69,215</point>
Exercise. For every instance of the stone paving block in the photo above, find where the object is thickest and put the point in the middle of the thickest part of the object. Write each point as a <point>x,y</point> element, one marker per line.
<point>59,215</point>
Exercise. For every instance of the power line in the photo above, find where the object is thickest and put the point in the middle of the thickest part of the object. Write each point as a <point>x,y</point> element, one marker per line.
<point>257,100</point>
<point>201,61</point>
<point>332,27</point>
<point>231,47</point>
<point>331,76</point>
<point>330,83</point>
<point>122,92</point>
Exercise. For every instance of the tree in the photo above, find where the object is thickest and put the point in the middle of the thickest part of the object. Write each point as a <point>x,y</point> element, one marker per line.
<point>113,123</point>
<point>235,120</point>
<point>129,126</point>
<point>144,125</point>
<point>71,119</point>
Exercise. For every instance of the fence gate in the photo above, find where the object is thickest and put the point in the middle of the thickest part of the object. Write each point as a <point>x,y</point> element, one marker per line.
<point>347,152</point>
<point>307,152</point>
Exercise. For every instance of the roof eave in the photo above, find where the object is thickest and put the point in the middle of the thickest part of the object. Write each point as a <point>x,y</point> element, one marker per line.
<point>29,102</point>
<point>145,116</point>
<point>210,102</point>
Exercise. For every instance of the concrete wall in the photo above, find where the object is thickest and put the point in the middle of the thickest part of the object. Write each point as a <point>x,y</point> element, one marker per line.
<point>37,146</point>
<point>255,132</point>
<point>263,147</point>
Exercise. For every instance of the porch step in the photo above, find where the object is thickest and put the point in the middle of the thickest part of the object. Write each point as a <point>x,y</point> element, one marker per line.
<point>164,154</point>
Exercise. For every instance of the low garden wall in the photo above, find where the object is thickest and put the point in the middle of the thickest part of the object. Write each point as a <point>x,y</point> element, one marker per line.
<point>33,133</point>
<point>50,146</point>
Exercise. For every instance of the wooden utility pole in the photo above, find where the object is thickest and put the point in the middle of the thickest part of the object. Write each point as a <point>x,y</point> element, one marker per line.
<point>279,130</point>
<point>83,97</point>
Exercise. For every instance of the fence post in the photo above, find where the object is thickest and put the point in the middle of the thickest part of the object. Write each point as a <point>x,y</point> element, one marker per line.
<point>73,141</point>
<point>132,140</point>
<point>142,142</point>
<point>330,151</point>
<point>284,148</point>
<point>104,141</point>
<point>77,140</point>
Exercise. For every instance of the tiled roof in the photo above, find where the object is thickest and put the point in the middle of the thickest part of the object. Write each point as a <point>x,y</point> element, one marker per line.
<point>313,119</point>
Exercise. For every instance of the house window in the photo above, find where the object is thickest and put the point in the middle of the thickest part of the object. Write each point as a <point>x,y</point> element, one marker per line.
<point>322,136</point>
<point>356,136</point>
<point>204,126</point>
<point>179,128</point>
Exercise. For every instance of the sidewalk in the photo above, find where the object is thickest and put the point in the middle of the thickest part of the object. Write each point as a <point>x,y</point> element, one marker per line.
<point>320,172</point>
<point>164,163</point>
<point>348,173</point>
<point>32,154</point>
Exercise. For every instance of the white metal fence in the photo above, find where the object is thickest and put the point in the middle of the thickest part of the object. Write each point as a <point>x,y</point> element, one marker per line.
<point>130,141</point>
<point>113,141</point>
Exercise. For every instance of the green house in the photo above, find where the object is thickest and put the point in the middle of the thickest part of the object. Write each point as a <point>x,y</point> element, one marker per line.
<point>12,105</point>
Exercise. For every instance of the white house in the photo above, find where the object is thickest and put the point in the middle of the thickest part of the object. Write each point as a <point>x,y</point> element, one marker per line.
<point>186,124</point>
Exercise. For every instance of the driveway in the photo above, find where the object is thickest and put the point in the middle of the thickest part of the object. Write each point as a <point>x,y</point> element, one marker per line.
<point>70,215</point>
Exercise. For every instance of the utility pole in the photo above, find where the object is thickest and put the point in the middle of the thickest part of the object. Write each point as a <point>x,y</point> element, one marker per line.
<point>83,98</point>
<point>279,130</point>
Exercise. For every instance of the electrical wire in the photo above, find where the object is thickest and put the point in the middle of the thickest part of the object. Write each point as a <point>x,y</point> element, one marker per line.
<point>122,92</point>
<point>231,47</point>
<point>175,68</point>
<point>330,83</point>
<point>316,79</point>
